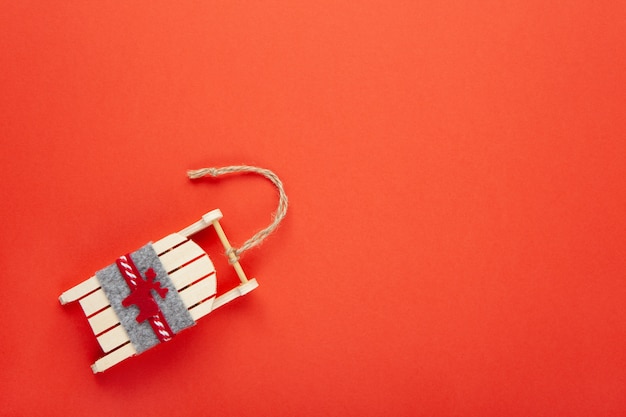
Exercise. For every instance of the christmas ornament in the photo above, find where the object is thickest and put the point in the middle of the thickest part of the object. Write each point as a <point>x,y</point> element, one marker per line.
<point>148,296</point>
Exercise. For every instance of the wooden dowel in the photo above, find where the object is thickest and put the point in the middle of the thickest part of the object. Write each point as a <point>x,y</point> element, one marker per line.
<point>231,255</point>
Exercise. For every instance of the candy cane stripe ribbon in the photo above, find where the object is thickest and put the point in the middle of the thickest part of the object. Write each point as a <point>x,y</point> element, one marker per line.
<point>141,295</point>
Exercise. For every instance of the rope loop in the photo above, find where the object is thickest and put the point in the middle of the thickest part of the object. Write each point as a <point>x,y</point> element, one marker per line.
<point>278,216</point>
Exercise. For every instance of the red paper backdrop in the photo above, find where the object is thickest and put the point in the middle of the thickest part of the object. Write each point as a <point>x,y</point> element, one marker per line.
<point>456,239</point>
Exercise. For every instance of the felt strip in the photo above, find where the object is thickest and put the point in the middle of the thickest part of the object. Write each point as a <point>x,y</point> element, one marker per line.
<point>115,285</point>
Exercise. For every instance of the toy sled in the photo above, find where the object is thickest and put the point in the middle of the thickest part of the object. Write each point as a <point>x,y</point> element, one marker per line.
<point>190,274</point>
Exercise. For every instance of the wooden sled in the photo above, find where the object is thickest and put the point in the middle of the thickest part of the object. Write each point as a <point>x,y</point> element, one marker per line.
<point>192,274</point>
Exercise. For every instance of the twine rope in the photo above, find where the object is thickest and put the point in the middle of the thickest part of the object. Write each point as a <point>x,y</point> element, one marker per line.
<point>278,216</point>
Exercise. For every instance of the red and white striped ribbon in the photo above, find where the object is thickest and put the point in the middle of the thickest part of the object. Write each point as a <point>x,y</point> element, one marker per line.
<point>131,275</point>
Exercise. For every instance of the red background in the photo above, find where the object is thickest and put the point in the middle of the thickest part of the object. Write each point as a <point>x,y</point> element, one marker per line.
<point>456,239</point>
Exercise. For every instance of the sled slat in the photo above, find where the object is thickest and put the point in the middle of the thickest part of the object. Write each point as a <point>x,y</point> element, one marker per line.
<point>196,293</point>
<point>79,290</point>
<point>168,242</point>
<point>103,320</point>
<point>94,302</point>
<point>181,255</point>
<point>113,338</point>
<point>113,358</point>
<point>194,271</point>
<point>202,309</point>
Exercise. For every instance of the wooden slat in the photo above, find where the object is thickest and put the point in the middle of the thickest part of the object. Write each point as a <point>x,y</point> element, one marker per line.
<point>194,271</point>
<point>202,309</point>
<point>180,255</point>
<point>113,358</point>
<point>168,242</point>
<point>103,320</point>
<point>94,302</point>
<point>113,338</point>
<point>79,290</point>
<point>197,292</point>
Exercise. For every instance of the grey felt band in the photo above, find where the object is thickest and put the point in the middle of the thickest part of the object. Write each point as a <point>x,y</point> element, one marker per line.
<point>176,314</point>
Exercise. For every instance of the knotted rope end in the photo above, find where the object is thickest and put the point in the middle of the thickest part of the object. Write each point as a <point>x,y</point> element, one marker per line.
<point>198,173</point>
